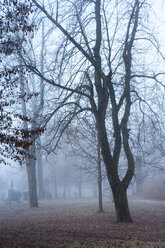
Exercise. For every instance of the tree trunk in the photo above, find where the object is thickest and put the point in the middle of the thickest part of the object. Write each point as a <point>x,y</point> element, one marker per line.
<point>30,161</point>
<point>99,181</point>
<point>31,172</point>
<point>40,179</point>
<point>79,183</point>
<point>54,182</point>
<point>121,204</point>
<point>139,174</point>
<point>64,190</point>
<point>100,198</point>
<point>79,189</point>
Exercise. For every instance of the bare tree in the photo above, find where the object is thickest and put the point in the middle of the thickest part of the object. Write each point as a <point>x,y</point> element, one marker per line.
<point>85,145</point>
<point>38,108</point>
<point>97,70</point>
<point>30,158</point>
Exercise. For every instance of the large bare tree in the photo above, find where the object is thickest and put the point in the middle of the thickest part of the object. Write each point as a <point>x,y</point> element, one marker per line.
<point>96,63</point>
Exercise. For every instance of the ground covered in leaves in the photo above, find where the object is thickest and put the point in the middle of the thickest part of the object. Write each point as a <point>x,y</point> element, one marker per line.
<point>77,224</point>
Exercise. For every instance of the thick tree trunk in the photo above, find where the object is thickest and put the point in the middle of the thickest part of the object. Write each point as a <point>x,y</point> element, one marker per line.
<point>31,172</point>
<point>30,161</point>
<point>118,188</point>
<point>41,194</point>
<point>121,204</point>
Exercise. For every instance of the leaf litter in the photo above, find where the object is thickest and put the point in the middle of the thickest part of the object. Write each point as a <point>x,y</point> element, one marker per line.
<point>77,223</point>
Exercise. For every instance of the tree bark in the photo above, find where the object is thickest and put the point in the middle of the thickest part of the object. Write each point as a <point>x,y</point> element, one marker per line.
<point>40,111</point>
<point>121,204</point>
<point>31,172</point>
<point>100,198</point>
<point>40,179</point>
<point>118,187</point>
<point>31,153</point>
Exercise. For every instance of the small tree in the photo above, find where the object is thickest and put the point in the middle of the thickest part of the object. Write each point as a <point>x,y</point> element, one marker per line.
<point>12,136</point>
<point>85,145</point>
<point>15,27</point>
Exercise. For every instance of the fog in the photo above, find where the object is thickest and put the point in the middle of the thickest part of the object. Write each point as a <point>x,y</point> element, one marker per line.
<point>70,176</point>
<point>82,119</point>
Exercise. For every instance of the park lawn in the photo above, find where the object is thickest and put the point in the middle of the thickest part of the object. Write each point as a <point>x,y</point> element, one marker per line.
<point>103,244</point>
<point>77,224</point>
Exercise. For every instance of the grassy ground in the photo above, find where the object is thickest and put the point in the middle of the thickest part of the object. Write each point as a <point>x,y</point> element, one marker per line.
<point>77,224</point>
<point>114,244</point>
<point>103,244</point>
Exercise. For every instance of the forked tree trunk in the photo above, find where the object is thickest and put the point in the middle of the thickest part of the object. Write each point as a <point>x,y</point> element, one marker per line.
<point>121,204</point>
<point>119,188</point>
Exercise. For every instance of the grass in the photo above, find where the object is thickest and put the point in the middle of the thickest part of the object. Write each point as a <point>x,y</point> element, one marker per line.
<point>104,244</point>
